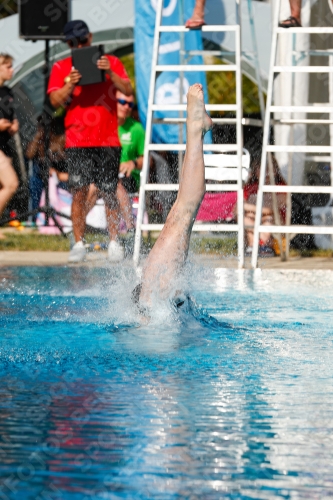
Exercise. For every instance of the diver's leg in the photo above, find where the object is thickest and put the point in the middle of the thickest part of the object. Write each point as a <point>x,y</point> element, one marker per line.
<point>170,250</point>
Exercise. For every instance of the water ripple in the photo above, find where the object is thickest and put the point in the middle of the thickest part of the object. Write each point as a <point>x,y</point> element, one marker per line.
<point>231,401</point>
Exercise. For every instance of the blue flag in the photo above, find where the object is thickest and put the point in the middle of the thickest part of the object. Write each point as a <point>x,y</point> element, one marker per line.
<point>168,84</point>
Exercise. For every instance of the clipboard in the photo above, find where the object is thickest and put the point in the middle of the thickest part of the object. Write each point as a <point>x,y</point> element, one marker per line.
<point>85,61</point>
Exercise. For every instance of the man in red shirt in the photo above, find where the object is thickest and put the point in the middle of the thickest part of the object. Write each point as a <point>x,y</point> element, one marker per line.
<point>92,144</point>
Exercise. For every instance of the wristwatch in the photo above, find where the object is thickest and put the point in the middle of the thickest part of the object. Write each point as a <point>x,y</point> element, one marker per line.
<point>67,79</point>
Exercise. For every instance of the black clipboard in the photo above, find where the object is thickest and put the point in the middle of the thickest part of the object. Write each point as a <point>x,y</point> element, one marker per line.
<point>85,61</point>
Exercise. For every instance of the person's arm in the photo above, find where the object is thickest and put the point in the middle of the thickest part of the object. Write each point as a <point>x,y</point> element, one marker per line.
<point>139,162</point>
<point>32,147</point>
<point>140,146</point>
<point>14,127</point>
<point>121,84</point>
<point>60,96</point>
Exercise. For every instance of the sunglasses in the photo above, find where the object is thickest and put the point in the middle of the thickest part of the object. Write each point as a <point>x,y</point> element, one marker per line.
<point>123,102</point>
<point>77,41</point>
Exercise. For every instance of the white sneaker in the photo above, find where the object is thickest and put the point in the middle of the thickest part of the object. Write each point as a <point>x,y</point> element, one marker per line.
<point>115,251</point>
<point>77,253</point>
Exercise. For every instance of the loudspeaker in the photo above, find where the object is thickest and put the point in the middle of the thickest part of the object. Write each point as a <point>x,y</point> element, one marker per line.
<point>43,19</point>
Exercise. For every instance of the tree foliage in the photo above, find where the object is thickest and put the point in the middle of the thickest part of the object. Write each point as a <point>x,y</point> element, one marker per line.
<point>222,89</point>
<point>7,8</point>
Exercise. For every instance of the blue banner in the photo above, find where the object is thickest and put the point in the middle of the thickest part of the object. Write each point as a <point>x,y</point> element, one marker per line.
<point>168,84</point>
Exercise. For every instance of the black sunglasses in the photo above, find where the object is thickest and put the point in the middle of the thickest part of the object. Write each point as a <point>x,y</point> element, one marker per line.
<point>123,102</point>
<point>77,41</point>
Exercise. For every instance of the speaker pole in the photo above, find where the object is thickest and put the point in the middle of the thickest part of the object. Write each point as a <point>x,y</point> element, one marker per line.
<point>47,64</point>
<point>46,172</point>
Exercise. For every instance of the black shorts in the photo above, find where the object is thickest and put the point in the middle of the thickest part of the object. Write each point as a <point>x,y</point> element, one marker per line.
<point>129,184</point>
<point>99,166</point>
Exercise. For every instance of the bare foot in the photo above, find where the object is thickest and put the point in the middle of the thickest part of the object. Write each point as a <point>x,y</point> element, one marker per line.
<point>2,236</point>
<point>196,111</point>
<point>198,15</point>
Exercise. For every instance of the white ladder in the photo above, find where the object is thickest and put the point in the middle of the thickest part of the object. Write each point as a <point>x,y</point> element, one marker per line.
<point>149,146</point>
<point>267,148</point>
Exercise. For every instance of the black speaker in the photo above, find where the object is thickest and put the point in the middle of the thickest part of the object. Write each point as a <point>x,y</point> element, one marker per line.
<point>43,19</point>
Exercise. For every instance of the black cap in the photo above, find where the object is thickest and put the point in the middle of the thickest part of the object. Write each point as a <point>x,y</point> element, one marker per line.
<point>76,29</point>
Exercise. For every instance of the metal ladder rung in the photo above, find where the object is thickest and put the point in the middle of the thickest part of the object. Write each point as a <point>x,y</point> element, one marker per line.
<point>245,121</point>
<point>182,107</point>
<point>211,28</point>
<point>164,121</point>
<point>221,148</point>
<point>283,121</point>
<point>208,52</point>
<point>225,228</point>
<point>319,159</point>
<point>175,187</point>
<point>195,67</point>
<point>300,149</point>
<point>298,189</point>
<point>322,52</point>
<point>297,229</point>
<point>303,69</point>
<point>323,108</point>
<point>302,31</point>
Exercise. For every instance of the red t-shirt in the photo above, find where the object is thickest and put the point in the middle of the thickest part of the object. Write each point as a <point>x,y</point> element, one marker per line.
<point>91,117</point>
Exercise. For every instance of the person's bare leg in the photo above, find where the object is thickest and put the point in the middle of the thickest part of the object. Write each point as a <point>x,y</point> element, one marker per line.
<point>295,15</point>
<point>112,214</point>
<point>295,9</point>
<point>170,250</point>
<point>79,212</point>
<point>124,203</point>
<point>8,183</point>
<point>125,206</point>
<point>197,18</point>
<point>92,197</point>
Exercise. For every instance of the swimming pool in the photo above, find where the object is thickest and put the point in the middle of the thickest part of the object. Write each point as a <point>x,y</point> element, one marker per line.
<point>231,401</point>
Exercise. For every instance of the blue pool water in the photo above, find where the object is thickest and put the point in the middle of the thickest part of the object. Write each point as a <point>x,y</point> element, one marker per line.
<point>232,400</point>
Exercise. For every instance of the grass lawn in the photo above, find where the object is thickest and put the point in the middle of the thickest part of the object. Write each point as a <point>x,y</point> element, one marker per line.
<point>32,240</point>
<point>28,240</point>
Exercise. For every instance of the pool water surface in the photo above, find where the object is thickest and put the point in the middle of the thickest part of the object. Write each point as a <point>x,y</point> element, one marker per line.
<point>231,399</point>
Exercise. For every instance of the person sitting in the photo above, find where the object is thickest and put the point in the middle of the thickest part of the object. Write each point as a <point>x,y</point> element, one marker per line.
<point>8,127</point>
<point>132,138</point>
<point>160,277</point>
<point>266,242</point>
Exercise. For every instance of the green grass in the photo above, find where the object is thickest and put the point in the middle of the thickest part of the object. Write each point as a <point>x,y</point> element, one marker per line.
<point>34,241</point>
<point>225,246</point>
<point>218,246</point>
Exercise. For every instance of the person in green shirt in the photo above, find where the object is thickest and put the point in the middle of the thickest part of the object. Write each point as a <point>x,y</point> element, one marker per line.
<point>132,138</point>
